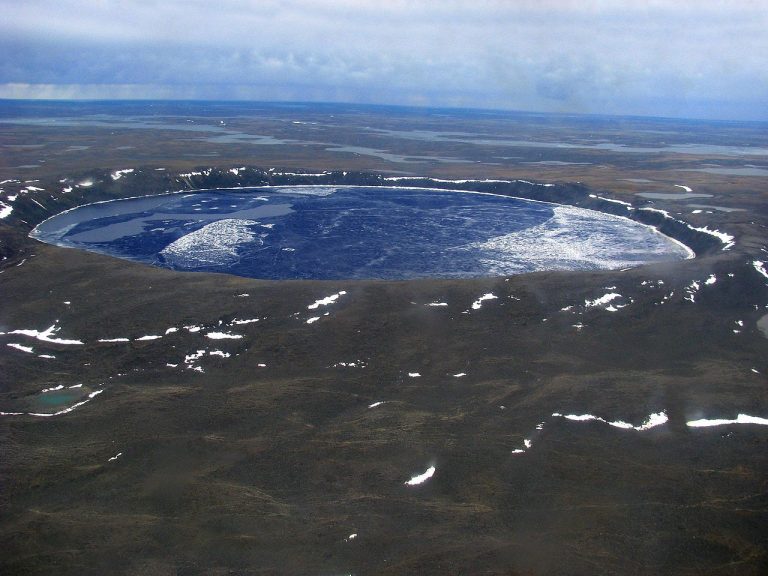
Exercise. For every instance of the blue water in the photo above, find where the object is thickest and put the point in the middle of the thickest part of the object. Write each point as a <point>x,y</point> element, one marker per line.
<point>335,232</point>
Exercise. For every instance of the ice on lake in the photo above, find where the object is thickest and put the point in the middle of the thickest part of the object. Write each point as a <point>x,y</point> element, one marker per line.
<point>357,232</point>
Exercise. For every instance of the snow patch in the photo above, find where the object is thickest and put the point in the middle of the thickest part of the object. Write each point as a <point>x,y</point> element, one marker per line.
<point>5,210</point>
<point>421,478</point>
<point>760,267</point>
<point>223,336</point>
<point>740,419</point>
<point>602,301</point>
<point>326,301</point>
<point>120,173</point>
<point>652,421</point>
<point>27,349</point>
<point>627,204</point>
<point>477,304</point>
<point>45,335</point>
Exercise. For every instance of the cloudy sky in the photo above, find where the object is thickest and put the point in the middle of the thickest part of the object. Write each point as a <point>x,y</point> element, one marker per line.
<point>685,58</point>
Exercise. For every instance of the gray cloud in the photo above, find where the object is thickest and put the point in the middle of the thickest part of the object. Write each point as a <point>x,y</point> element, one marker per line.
<point>651,57</point>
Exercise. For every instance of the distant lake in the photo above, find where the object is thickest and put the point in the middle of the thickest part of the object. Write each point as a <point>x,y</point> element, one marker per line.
<point>336,232</point>
<point>743,171</point>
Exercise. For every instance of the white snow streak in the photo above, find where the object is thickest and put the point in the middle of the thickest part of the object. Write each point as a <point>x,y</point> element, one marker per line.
<point>653,420</point>
<point>740,419</point>
<point>45,335</point>
<point>479,302</point>
<point>223,336</point>
<point>27,349</point>
<point>421,478</point>
<point>326,301</point>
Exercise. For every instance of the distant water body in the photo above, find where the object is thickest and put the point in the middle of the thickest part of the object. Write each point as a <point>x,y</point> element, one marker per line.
<point>356,232</point>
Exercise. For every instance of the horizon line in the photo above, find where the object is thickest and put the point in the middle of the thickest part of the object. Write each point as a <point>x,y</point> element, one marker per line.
<point>509,111</point>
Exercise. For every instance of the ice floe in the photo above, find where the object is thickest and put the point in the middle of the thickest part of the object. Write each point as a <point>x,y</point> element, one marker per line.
<point>576,238</point>
<point>740,419</point>
<point>414,375</point>
<point>115,457</point>
<point>148,337</point>
<point>437,304</point>
<point>215,244</point>
<point>375,404</point>
<point>421,478</point>
<point>313,319</point>
<point>460,375</point>
<point>114,340</point>
<point>686,188</point>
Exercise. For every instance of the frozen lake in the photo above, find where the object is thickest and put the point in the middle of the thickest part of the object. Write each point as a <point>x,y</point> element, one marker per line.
<point>337,232</point>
